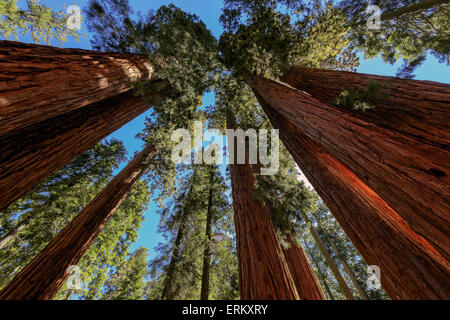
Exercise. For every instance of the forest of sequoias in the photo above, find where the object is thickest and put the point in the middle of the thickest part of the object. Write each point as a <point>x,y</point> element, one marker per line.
<point>363,179</point>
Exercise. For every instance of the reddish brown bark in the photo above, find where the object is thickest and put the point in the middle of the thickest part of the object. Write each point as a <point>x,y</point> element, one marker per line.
<point>44,275</point>
<point>27,157</point>
<point>418,109</point>
<point>411,176</point>
<point>305,279</point>
<point>410,267</point>
<point>263,271</point>
<point>39,82</point>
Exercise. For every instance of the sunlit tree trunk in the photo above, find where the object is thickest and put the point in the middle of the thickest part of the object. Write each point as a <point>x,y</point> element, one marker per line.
<point>308,286</point>
<point>263,271</point>
<point>349,271</point>
<point>334,268</point>
<point>31,155</point>
<point>45,274</point>
<point>413,177</point>
<point>410,267</point>
<point>40,82</point>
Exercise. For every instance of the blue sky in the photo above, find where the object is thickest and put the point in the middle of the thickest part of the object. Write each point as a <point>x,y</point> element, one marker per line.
<point>209,12</point>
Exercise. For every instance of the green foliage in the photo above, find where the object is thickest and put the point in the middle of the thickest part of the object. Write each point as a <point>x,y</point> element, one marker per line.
<point>261,37</point>
<point>127,282</point>
<point>185,215</point>
<point>358,98</point>
<point>408,36</point>
<point>42,22</point>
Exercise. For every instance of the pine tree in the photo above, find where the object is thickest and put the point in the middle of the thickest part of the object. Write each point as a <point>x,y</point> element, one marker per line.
<point>127,282</point>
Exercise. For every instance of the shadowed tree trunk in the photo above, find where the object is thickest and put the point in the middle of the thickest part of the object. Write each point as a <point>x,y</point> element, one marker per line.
<point>334,268</point>
<point>204,294</point>
<point>263,271</point>
<point>413,177</point>
<point>410,267</point>
<point>39,82</point>
<point>349,271</point>
<point>44,275</point>
<point>32,154</point>
<point>305,279</point>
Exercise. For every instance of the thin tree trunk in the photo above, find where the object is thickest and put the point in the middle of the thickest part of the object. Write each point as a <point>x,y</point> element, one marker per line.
<point>349,271</point>
<point>44,275</point>
<point>320,274</point>
<point>170,277</point>
<point>334,268</point>
<point>263,269</point>
<point>31,155</point>
<point>308,286</point>
<point>40,82</point>
<point>11,234</point>
<point>410,175</point>
<point>204,294</point>
<point>420,6</point>
<point>410,267</point>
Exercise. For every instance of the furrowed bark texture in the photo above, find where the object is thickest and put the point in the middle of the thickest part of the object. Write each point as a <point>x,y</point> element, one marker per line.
<point>39,82</point>
<point>46,273</point>
<point>410,267</point>
<point>411,176</point>
<point>418,109</point>
<point>263,270</point>
<point>305,279</point>
<point>29,156</point>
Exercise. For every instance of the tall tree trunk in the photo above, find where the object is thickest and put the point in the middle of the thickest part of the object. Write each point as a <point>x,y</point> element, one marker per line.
<point>40,82</point>
<point>305,279</point>
<point>263,269</point>
<point>410,267</point>
<point>11,234</point>
<point>412,176</point>
<point>349,271</point>
<point>417,109</point>
<point>334,268</point>
<point>321,274</point>
<point>170,277</point>
<point>204,294</point>
<point>32,154</point>
<point>44,275</point>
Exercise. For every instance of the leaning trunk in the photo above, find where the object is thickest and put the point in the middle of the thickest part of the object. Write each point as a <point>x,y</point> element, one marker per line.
<point>349,271</point>
<point>410,267</point>
<point>11,234</point>
<point>305,279</point>
<point>40,82</point>
<point>31,155</point>
<point>413,177</point>
<point>334,268</point>
<point>44,275</point>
